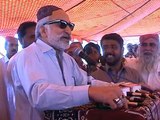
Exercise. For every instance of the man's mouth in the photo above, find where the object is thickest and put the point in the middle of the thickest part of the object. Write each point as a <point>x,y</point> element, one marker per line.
<point>67,37</point>
<point>147,53</point>
<point>109,56</point>
<point>14,51</point>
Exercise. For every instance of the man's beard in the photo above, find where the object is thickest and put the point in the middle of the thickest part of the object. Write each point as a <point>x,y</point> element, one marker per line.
<point>147,61</point>
<point>112,60</point>
<point>61,45</point>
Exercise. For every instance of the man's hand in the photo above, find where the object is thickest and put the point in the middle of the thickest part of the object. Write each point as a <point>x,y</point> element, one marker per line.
<point>106,95</point>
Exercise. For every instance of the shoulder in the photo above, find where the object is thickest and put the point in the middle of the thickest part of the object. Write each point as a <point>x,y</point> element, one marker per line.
<point>101,75</point>
<point>25,54</point>
<point>67,55</point>
<point>157,67</point>
<point>134,74</point>
<point>68,58</point>
<point>2,59</point>
<point>132,70</point>
<point>131,62</point>
<point>30,50</point>
<point>3,62</point>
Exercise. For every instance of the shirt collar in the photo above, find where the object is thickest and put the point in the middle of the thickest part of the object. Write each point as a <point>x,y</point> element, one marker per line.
<point>109,69</point>
<point>6,59</point>
<point>43,46</point>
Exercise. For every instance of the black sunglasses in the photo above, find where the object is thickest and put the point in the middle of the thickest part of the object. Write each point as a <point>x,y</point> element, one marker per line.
<point>61,23</point>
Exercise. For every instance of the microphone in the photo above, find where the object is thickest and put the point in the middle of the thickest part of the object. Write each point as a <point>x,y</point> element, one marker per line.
<point>79,52</point>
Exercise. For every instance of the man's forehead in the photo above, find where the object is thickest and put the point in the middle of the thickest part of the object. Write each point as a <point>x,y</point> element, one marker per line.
<point>11,39</point>
<point>94,49</point>
<point>109,41</point>
<point>31,30</point>
<point>59,14</point>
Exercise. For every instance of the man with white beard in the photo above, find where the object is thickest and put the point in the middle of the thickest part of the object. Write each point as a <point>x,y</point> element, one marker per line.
<point>147,62</point>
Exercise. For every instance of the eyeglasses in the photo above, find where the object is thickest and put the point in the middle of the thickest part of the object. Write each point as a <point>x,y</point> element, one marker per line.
<point>148,44</point>
<point>61,23</point>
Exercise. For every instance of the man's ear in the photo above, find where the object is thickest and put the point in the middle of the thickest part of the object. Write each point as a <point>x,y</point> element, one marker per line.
<point>43,31</point>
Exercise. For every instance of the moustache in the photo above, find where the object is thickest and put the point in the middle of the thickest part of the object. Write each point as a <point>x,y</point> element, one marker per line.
<point>14,50</point>
<point>66,36</point>
<point>148,53</point>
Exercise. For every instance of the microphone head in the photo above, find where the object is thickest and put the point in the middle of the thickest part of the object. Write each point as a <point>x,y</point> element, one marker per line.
<point>77,51</point>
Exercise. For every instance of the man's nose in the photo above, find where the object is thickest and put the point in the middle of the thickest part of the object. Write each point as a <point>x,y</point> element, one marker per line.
<point>109,50</point>
<point>148,47</point>
<point>68,30</point>
<point>15,47</point>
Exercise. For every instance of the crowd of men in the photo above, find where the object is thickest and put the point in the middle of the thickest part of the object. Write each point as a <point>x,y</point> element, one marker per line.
<point>48,75</point>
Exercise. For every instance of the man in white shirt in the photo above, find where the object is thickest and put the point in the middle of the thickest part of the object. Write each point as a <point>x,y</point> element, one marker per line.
<point>46,78</point>
<point>148,61</point>
<point>6,106</point>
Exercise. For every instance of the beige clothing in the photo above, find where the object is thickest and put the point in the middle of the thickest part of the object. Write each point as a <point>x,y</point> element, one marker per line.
<point>151,78</point>
<point>126,74</point>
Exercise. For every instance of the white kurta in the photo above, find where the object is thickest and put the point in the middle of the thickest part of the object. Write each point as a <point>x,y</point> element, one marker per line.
<point>39,84</point>
<point>153,78</point>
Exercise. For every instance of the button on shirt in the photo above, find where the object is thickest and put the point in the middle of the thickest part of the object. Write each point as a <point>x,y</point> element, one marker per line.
<point>39,84</point>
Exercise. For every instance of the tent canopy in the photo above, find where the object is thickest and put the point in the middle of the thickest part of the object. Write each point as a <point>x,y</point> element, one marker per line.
<point>93,18</point>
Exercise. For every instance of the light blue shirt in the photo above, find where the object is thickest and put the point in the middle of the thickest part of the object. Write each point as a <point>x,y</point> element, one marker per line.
<point>39,84</point>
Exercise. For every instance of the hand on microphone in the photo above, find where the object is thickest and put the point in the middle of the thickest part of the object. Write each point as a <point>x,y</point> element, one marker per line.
<point>79,52</point>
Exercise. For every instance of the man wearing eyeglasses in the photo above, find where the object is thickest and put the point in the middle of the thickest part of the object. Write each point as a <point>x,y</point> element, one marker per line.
<point>148,62</point>
<point>46,78</point>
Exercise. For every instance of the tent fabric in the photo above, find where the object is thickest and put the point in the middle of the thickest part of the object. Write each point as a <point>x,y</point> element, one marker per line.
<point>93,18</point>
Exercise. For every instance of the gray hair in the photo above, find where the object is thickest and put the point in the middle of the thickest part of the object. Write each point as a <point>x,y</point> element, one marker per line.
<point>38,26</point>
<point>8,39</point>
